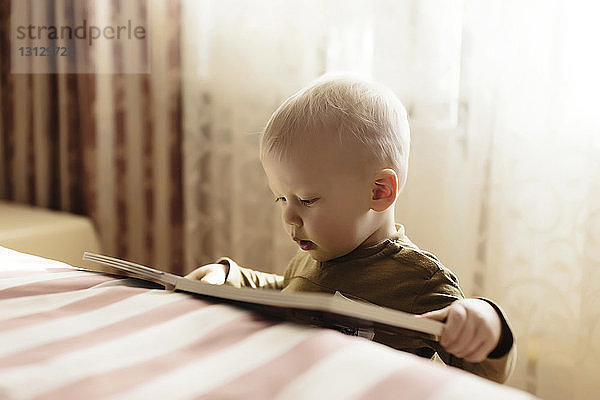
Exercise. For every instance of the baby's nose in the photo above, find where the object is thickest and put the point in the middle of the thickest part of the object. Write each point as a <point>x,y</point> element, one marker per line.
<point>291,218</point>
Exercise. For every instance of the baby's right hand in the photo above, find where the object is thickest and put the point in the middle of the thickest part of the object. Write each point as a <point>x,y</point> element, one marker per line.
<point>214,274</point>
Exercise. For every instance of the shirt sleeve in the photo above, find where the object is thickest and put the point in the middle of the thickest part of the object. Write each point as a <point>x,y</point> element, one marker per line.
<point>246,277</point>
<point>440,291</point>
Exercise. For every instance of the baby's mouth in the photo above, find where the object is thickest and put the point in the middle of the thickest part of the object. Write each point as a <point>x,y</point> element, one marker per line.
<point>304,244</point>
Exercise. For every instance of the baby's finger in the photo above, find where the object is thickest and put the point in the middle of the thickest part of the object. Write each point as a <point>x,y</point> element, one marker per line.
<point>213,277</point>
<point>479,354</point>
<point>196,274</point>
<point>457,315</point>
<point>465,342</point>
<point>473,347</point>
<point>438,315</point>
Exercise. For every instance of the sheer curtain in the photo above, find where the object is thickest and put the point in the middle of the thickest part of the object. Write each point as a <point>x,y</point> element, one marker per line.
<point>240,60</point>
<point>505,177</point>
<point>533,68</point>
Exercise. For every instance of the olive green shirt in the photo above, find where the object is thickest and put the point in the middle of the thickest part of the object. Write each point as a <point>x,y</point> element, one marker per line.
<point>393,273</point>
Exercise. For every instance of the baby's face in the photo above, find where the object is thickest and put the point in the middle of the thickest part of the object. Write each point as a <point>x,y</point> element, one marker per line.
<point>324,198</point>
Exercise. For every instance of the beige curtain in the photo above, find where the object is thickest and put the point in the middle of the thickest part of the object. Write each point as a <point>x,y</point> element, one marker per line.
<point>537,84</point>
<point>106,144</point>
<point>240,59</point>
<point>504,183</point>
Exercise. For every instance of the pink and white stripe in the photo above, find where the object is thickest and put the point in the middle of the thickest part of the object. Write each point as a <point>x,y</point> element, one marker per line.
<point>67,333</point>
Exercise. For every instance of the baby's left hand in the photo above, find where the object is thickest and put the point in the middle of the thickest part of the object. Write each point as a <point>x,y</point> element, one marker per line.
<point>472,328</point>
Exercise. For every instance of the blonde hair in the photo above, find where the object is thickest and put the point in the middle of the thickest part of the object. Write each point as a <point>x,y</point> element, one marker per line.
<point>359,111</point>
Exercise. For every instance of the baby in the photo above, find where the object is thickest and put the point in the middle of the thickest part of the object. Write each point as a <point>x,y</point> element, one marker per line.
<point>336,157</point>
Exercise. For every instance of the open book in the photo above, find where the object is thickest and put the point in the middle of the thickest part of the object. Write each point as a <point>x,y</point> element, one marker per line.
<point>320,309</point>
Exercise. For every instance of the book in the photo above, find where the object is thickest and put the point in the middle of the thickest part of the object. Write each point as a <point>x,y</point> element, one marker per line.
<point>320,309</point>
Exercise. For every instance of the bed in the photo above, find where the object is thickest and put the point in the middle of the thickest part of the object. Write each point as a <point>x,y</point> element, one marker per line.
<point>66,333</point>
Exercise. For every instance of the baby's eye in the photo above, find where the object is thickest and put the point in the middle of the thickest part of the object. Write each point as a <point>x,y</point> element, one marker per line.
<point>308,202</point>
<point>280,199</point>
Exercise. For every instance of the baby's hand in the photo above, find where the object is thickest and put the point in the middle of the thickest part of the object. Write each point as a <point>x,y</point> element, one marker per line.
<point>472,329</point>
<point>210,273</point>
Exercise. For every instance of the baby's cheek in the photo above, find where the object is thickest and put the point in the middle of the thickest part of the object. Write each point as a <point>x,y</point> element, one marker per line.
<point>339,232</point>
<point>325,227</point>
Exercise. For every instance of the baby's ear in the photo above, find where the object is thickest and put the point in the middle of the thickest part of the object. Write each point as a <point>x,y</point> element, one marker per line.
<point>384,189</point>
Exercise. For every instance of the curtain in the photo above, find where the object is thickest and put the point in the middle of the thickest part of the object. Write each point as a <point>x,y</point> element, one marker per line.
<point>504,180</point>
<point>97,137</point>
<point>537,84</point>
<point>241,59</point>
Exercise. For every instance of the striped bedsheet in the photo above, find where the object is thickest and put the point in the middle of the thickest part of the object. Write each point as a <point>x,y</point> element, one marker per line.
<point>72,334</point>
